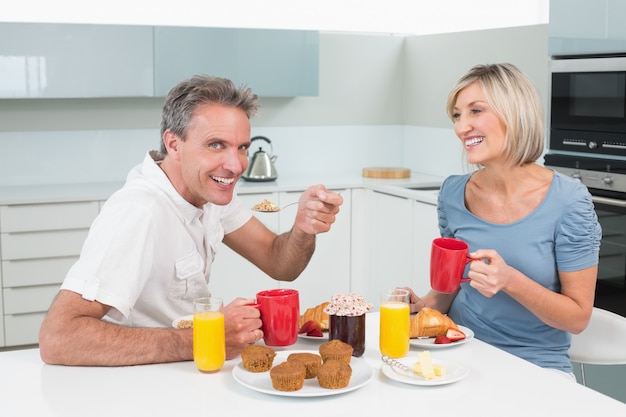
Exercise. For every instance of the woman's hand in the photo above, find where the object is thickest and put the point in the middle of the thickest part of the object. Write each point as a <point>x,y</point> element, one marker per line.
<point>415,302</point>
<point>490,275</point>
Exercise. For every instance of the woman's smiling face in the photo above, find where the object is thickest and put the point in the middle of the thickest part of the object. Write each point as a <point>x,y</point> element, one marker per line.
<point>480,129</point>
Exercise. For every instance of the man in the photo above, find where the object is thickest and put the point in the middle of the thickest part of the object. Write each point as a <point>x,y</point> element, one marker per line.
<point>149,252</point>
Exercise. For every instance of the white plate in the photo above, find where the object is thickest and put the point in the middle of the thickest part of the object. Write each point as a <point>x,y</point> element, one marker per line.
<point>175,322</point>
<point>362,373</point>
<point>430,342</point>
<point>324,338</point>
<point>454,372</point>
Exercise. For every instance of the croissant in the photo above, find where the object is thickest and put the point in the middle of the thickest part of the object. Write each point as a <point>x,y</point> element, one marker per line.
<point>430,323</point>
<point>316,313</point>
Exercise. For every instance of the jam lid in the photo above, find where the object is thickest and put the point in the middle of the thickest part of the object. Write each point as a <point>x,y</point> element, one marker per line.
<point>348,304</point>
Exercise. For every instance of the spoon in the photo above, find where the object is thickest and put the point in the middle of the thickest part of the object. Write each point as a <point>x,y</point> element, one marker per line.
<point>267,206</point>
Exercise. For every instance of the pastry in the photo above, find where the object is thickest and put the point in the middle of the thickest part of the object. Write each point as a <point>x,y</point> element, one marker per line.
<point>257,358</point>
<point>316,313</point>
<point>311,362</point>
<point>430,323</point>
<point>288,376</point>
<point>334,374</point>
<point>336,349</point>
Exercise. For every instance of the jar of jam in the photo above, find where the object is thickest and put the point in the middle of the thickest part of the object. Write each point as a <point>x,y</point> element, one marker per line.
<point>346,313</point>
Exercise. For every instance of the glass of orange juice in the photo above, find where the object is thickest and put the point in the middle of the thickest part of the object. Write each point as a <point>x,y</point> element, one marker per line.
<point>209,343</point>
<point>395,323</point>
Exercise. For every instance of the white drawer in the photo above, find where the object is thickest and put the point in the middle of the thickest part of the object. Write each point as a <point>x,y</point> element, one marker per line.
<point>22,329</point>
<point>29,299</point>
<point>42,244</point>
<point>23,273</point>
<point>57,216</point>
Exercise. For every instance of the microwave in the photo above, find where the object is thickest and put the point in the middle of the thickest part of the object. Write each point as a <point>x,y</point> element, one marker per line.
<point>588,105</point>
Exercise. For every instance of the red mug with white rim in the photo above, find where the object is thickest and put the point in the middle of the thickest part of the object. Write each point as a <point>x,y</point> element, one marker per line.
<point>280,314</point>
<point>448,258</point>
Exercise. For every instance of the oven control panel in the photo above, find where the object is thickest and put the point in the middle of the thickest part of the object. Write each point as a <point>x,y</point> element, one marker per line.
<point>592,143</point>
<point>596,173</point>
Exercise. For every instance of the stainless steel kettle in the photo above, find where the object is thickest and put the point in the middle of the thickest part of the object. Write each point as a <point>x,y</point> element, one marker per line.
<point>261,167</point>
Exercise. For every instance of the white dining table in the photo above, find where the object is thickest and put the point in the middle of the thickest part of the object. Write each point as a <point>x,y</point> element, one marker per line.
<point>496,384</point>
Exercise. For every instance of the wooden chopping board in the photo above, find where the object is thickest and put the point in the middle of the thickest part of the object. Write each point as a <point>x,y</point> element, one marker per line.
<point>386,172</point>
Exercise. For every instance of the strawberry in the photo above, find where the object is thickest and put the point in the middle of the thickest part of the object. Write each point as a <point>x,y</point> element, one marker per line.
<point>308,326</point>
<point>442,340</point>
<point>316,332</point>
<point>455,334</point>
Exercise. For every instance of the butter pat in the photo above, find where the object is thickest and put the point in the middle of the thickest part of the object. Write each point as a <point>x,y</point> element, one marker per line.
<point>426,368</point>
<point>440,370</point>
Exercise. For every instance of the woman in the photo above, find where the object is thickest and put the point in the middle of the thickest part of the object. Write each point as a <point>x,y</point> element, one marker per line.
<point>534,229</point>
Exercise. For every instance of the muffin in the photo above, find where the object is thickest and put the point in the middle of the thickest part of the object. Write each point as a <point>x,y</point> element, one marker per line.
<point>288,376</point>
<point>257,358</point>
<point>334,374</point>
<point>311,362</point>
<point>336,349</point>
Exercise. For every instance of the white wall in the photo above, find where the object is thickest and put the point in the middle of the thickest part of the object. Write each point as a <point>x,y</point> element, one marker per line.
<point>381,16</point>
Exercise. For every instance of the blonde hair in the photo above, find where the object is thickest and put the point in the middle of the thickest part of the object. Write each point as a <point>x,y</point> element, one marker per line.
<point>515,100</point>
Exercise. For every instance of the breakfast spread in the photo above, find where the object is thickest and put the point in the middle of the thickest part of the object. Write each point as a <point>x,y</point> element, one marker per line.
<point>334,374</point>
<point>185,324</point>
<point>330,366</point>
<point>347,320</point>
<point>257,358</point>
<point>431,323</point>
<point>265,205</point>
<point>348,304</point>
<point>336,349</point>
<point>425,367</point>
<point>311,361</point>
<point>288,376</point>
<point>314,321</point>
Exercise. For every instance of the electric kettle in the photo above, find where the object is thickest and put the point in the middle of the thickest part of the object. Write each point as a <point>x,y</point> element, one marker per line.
<point>261,167</point>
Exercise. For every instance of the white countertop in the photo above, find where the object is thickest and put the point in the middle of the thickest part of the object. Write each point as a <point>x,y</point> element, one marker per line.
<point>59,193</point>
<point>497,384</point>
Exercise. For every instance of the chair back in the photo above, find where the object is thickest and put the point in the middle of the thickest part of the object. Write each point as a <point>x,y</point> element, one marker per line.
<point>603,342</point>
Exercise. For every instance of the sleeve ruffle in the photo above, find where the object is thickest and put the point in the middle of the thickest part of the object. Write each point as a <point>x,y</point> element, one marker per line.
<point>578,235</point>
<point>441,211</point>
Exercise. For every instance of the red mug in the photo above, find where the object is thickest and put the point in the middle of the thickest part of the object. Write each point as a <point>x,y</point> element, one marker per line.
<point>280,314</point>
<point>448,258</point>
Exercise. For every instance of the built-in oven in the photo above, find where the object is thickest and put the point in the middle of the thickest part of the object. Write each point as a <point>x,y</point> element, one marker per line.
<point>588,142</point>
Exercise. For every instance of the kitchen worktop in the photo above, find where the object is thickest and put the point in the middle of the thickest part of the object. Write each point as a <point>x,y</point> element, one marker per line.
<point>59,193</point>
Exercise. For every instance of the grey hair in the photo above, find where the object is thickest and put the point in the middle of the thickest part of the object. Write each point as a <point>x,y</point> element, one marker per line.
<point>184,98</point>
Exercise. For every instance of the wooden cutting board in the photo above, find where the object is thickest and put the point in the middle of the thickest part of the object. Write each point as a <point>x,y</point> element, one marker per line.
<point>386,172</point>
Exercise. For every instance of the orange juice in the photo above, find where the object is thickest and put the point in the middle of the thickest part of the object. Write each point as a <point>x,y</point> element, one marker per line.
<point>209,345</point>
<point>394,329</point>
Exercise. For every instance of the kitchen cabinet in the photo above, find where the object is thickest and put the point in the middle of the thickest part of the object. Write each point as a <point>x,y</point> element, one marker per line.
<point>75,60</point>
<point>425,229</point>
<point>274,63</point>
<point>581,27</point>
<point>38,244</point>
<point>378,241</point>
<point>50,60</point>
<point>327,273</point>
<point>389,244</point>
<point>232,275</point>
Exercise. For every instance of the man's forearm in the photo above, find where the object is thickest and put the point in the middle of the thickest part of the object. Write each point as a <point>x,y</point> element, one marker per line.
<point>99,343</point>
<point>293,250</point>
